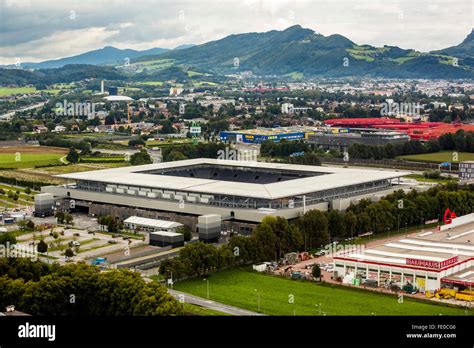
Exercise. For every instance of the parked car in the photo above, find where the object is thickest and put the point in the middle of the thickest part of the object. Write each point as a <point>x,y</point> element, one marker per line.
<point>75,243</point>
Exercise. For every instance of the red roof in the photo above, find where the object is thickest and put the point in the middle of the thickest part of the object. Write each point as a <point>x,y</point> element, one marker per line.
<point>422,131</point>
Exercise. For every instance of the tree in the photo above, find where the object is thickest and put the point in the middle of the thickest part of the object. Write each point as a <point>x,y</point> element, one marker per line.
<point>7,237</point>
<point>186,231</point>
<point>314,226</point>
<point>350,223</point>
<point>59,216</point>
<point>30,225</point>
<point>68,218</point>
<point>72,156</point>
<point>110,222</point>
<point>316,271</point>
<point>42,247</point>
<point>140,158</point>
<point>68,253</point>
<point>336,226</point>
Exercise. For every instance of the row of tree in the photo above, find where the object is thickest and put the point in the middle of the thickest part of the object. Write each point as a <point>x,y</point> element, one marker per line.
<point>79,289</point>
<point>460,141</point>
<point>189,151</point>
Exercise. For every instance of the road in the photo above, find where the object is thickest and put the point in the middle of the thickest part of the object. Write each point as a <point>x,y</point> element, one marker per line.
<point>216,306</point>
<point>32,107</point>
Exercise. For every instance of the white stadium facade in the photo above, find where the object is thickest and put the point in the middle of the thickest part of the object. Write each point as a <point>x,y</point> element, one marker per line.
<point>241,193</point>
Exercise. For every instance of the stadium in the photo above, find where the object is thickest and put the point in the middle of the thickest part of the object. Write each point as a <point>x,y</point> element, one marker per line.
<point>241,193</point>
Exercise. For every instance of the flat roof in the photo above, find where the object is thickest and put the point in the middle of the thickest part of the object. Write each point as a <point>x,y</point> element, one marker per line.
<point>464,277</point>
<point>333,178</point>
<point>166,234</point>
<point>152,222</point>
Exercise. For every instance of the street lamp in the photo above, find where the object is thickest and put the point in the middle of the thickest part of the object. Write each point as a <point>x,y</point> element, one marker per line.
<point>207,281</point>
<point>258,300</point>
<point>318,306</point>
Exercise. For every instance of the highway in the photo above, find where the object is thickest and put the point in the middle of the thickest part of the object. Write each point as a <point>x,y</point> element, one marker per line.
<point>32,107</point>
<point>216,306</point>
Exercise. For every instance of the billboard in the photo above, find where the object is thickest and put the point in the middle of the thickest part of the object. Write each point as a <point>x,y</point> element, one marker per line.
<point>432,264</point>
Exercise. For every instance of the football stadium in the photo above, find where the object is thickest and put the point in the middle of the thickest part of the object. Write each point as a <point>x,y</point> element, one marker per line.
<point>241,193</point>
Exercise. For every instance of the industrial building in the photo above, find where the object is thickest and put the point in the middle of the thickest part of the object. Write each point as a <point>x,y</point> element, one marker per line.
<point>137,223</point>
<point>44,204</point>
<point>466,171</point>
<point>342,140</point>
<point>166,239</point>
<point>427,261</point>
<point>417,130</point>
<point>239,193</point>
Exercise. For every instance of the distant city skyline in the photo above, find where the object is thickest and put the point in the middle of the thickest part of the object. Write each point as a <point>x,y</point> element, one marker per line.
<point>33,31</point>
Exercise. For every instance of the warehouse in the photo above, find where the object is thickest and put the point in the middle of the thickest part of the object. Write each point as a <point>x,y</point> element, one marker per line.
<point>167,239</point>
<point>241,193</point>
<point>426,261</point>
<point>150,225</point>
<point>341,141</point>
<point>259,135</point>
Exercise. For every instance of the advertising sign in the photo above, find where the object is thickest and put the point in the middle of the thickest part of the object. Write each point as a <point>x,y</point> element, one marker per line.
<point>432,264</point>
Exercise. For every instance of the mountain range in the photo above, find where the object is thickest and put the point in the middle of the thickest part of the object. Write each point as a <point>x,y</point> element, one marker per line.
<point>293,52</point>
<point>106,55</point>
<point>297,50</point>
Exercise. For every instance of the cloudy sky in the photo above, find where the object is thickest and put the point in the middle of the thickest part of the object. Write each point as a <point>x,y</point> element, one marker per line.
<point>37,30</point>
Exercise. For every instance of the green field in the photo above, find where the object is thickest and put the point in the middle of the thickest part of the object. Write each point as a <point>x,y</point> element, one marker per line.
<point>114,159</point>
<point>150,83</point>
<point>242,288</point>
<point>28,160</point>
<point>156,64</point>
<point>6,91</point>
<point>201,311</point>
<point>421,178</point>
<point>438,157</point>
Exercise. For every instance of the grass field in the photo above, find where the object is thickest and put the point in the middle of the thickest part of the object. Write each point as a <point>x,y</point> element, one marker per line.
<point>201,311</point>
<point>6,91</point>
<point>247,289</point>
<point>30,156</point>
<point>421,178</point>
<point>438,157</point>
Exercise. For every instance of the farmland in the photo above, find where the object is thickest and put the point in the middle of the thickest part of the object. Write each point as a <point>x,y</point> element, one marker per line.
<point>6,91</point>
<point>30,156</point>
<point>273,295</point>
<point>438,157</point>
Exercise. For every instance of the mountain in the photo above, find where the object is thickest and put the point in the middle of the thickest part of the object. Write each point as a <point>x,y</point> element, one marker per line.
<point>297,50</point>
<point>104,55</point>
<point>293,52</point>
<point>66,74</point>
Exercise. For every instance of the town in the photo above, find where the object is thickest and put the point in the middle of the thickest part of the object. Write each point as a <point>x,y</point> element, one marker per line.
<point>283,172</point>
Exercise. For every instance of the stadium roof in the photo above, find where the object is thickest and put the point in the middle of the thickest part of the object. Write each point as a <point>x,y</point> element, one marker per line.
<point>333,178</point>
